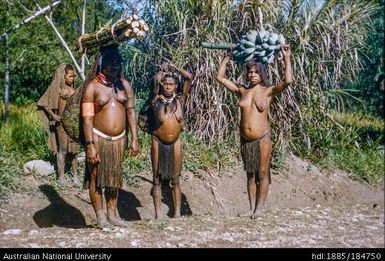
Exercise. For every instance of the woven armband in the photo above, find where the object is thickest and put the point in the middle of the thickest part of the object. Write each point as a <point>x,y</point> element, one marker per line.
<point>130,103</point>
<point>88,109</point>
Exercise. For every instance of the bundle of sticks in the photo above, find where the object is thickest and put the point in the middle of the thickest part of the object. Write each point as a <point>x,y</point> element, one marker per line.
<point>122,30</point>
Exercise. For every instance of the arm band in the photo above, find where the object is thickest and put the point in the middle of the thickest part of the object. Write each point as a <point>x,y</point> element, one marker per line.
<point>88,109</point>
<point>130,103</point>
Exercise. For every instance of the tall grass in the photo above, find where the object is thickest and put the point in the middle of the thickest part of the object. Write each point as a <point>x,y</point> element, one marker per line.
<point>350,142</point>
<point>10,172</point>
<point>23,133</point>
<point>327,38</point>
<point>22,138</point>
<point>329,48</point>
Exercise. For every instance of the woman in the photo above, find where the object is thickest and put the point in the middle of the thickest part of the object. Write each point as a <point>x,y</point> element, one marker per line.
<point>53,102</point>
<point>166,146</point>
<point>108,110</point>
<point>254,100</point>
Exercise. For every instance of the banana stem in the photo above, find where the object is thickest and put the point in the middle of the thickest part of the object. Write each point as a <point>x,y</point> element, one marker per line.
<point>222,46</point>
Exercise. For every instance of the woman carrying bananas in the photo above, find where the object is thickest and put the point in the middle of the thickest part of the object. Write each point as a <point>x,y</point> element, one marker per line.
<point>254,100</point>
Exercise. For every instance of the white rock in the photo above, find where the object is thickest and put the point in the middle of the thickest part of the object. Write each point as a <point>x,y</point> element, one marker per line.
<point>13,231</point>
<point>39,167</point>
<point>118,234</point>
<point>33,245</point>
<point>33,232</point>
<point>81,157</point>
<point>135,243</point>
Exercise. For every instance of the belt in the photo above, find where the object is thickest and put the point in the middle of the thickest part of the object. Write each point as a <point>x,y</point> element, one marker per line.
<point>105,136</point>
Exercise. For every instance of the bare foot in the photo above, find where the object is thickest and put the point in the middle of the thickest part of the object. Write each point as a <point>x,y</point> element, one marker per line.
<point>76,180</point>
<point>246,213</point>
<point>102,222</point>
<point>160,216</point>
<point>118,221</point>
<point>258,212</point>
<point>62,181</point>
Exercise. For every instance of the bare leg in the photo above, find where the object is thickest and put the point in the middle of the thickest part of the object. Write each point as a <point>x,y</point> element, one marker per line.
<point>112,211</point>
<point>252,193</point>
<point>61,155</point>
<point>97,200</point>
<point>74,164</point>
<point>156,190</point>
<point>263,188</point>
<point>176,191</point>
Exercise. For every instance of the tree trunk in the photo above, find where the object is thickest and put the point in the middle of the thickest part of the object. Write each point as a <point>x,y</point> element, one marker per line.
<point>63,43</point>
<point>83,66</point>
<point>6,92</point>
<point>42,11</point>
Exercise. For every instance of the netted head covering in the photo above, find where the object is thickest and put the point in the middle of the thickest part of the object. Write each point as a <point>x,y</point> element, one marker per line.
<point>51,95</point>
<point>50,100</point>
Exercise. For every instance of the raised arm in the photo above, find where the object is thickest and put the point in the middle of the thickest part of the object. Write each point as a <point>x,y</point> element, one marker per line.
<point>187,80</point>
<point>221,76</point>
<point>288,78</point>
<point>131,118</point>
<point>156,86</point>
<point>88,113</point>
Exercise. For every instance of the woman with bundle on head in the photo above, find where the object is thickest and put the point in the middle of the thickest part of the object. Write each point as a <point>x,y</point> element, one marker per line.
<point>108,110</point>
<point>51,106</point>
<point>166,147</point>
<point>254,100</point>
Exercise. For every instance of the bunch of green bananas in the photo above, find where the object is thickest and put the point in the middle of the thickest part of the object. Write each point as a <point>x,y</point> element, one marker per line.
<point>261,45</point>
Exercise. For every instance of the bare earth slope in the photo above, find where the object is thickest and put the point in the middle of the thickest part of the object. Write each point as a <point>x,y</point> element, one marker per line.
<point>306,208</point>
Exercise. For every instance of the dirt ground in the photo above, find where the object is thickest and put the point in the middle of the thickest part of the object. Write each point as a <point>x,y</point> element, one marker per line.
<point>306,208</point>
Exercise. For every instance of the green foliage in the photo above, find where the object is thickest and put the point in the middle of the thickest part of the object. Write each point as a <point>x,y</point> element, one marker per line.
<point>198,155</point>
<point>337,62</point>
<point>346,141</point>
<point>34,49</point>
<point>364,163</point>
<point>329,45</point>
<point>22,138</point>
<point>142,162</point>
<point>370,83</point>
<point>10,171</point>
<point>278,158</point>
<point>23,133</point>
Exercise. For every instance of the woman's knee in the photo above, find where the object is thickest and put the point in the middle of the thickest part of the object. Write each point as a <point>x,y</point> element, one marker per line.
<point>174,180</point>
<point>251,175</point>
<point>63,150</point>
<point>263,174</point>
<point>156,181</point>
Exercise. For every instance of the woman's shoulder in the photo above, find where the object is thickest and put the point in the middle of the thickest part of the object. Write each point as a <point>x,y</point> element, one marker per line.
<point>241,86</point>
<point>91,86</point>
<point>92,83</point>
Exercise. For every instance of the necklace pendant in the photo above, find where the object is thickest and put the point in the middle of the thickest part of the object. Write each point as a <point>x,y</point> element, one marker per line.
<point>113,104</point>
